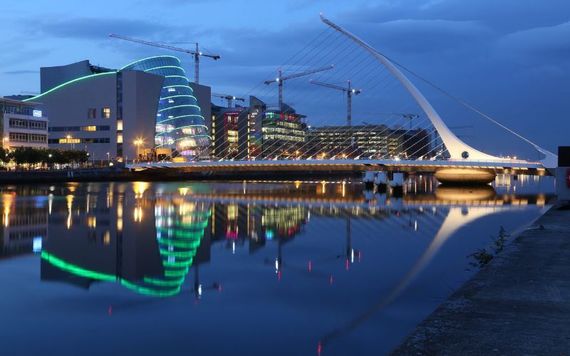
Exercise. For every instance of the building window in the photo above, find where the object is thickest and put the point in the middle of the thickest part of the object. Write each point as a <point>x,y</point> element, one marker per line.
<point>92,113</point>
<point>89,128</point>
<point>119,125</point>
<point>120,138</point>
<point>106,113</point>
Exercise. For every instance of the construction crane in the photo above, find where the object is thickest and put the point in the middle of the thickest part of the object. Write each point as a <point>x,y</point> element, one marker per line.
<point>349,90</point>
<point>280,79</point>
<point>195,53</point>
<point>230,98</point>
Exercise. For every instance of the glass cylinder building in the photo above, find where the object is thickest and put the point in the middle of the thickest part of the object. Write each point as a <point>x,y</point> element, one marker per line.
<point>179,121</point>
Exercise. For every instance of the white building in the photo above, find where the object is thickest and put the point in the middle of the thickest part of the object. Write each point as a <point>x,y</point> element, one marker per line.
<point>22,124</point>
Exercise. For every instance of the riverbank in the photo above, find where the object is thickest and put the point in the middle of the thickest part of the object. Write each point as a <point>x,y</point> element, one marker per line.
<point>518,304</point>
<point>112,174</point>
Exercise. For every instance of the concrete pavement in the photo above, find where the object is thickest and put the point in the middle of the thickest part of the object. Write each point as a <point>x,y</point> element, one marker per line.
<point>519,304</point>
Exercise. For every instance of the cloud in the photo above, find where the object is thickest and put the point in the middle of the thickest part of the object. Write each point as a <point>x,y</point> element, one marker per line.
<point>409,35</point>
<point>23,71</point>
<point>98,28</point>
<point>544,42</point>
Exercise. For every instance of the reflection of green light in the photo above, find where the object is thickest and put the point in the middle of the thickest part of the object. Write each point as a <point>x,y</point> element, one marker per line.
<point>75,269</point>
<point>148,291</point>
<point>185,244</point>
<point>163,282</point>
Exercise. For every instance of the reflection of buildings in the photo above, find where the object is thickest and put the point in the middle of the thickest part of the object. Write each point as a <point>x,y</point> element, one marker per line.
<point>24,222</point>
<point>120,234</point>
<point>256,224</point>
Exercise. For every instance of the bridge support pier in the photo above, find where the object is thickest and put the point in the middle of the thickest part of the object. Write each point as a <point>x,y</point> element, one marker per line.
<point>465,176</point>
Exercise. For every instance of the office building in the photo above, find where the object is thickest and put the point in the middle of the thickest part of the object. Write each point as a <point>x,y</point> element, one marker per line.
<point>256,131</point>
<point>23,124</point>
<point>367,141</point>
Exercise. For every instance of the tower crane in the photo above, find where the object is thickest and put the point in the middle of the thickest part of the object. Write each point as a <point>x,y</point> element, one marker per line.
<point>195,53</point>
<point>349,90</point>
<point>281,79</point>
<point>230,98</point>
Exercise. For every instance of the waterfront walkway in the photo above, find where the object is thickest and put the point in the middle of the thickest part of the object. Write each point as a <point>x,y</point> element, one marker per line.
<point>519,304</point>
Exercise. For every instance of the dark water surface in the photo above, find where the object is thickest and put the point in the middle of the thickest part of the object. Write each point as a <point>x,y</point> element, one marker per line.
<point>268,268</point>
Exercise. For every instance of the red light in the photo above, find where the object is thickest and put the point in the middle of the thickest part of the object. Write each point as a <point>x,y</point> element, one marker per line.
<point>331,280</point>
<point>347,264</point>
<point>110,310</point>
<point>568,177</point>
<point>310,266</point>
<point>319,348</point>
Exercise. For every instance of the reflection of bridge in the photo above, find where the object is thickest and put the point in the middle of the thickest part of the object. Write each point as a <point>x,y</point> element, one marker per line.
<point>464,162</point>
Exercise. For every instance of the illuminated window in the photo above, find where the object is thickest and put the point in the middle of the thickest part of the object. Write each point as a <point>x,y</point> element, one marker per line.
<point>119,125</point>
<point>106,113</point>
<point>69,140</point>
<point>89,128</point>
<point>120,138</point>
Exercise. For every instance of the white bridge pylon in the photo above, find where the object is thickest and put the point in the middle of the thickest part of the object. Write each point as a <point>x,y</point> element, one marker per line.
<point>458,150</point>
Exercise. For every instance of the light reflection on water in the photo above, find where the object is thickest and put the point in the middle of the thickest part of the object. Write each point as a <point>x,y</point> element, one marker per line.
<point>336,266</point>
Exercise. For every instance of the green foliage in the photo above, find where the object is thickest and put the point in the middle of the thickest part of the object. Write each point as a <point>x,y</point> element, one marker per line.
<point>28,155</point>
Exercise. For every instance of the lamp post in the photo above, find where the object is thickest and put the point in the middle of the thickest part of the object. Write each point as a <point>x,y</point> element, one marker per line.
<point>138,142</point>
<point>69,138</point>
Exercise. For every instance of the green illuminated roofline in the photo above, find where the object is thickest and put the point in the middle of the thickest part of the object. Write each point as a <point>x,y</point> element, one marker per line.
<point>144,59</point>
<point>165,67</point>
<point>91,76</point>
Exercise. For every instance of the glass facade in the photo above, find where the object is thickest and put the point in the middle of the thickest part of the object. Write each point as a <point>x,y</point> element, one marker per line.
<point>179,121</point>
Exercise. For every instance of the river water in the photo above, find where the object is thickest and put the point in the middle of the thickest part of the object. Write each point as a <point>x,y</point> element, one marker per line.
<point>268,268</point>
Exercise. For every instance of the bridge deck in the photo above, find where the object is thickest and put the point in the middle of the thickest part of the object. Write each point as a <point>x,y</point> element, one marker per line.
<point>516,166</point>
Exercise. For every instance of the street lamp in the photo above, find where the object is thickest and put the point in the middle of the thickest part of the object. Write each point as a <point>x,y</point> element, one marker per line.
<point>138,142</point>
<point>69,137</point>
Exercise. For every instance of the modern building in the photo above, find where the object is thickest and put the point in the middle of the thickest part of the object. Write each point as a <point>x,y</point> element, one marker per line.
<point>180,125</point>
<point>256,131</point>
<point>144,109</point>
<point>110,114</point>
<point>23,124</point>
<point>367,141</point>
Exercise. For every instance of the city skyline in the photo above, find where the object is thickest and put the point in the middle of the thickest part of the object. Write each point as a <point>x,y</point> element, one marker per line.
<point>508,58</point>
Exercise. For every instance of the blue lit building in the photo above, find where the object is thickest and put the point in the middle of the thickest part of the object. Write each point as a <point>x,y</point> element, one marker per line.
<point>180,124</point>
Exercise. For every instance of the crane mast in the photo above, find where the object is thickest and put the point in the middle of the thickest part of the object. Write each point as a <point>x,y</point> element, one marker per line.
<point>281,79</point>
<point>195,53</point>
<point>230,98</point>
<point>350,92</point>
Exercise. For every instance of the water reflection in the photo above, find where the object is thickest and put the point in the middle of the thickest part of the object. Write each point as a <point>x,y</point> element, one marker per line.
<point>147,237</point>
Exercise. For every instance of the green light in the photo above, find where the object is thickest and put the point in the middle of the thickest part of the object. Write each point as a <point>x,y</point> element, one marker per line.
<point>178,106</point>
<point>178,96</point>
<point>179,86</point>
<point>176,76</point>
<point>181,116</point>
<point>144,59</point>
<point>165,67</point>
<point>69,83</point>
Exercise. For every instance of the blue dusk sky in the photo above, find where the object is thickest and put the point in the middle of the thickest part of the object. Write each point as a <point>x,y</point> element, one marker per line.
<point>510,58</point>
